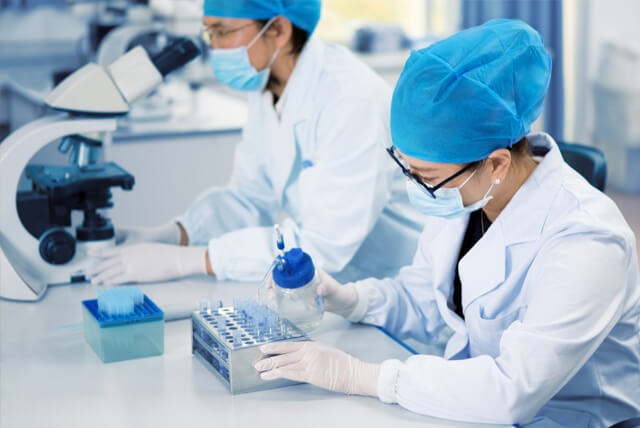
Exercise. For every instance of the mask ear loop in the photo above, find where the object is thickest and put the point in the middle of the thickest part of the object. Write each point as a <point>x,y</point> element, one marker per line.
<point>261,32</point>
<point>468,178</point>
<point>497,181</point>
<point>490,188</point>
<point>273,58</point>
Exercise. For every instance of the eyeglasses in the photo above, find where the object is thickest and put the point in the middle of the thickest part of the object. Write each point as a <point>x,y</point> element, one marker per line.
<point>216,34</point>
<point>429,190</point>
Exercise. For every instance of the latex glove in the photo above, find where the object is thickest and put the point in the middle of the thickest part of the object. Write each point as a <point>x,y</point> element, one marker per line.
<point>169,233</point>
<point>146,262</point>
<point>339,299</point>
<point>319,365</point>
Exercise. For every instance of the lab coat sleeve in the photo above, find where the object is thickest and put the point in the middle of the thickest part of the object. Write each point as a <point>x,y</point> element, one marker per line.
<point>405,305</point>
<point>576,289</point>
<point>247,201</point>
<point>343,194</point>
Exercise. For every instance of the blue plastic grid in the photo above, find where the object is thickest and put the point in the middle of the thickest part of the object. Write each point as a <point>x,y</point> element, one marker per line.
<point>144,312</point>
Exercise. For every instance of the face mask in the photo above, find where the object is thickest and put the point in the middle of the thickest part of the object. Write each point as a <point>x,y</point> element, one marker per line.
<point>448,202</point>
<point>233,68</point>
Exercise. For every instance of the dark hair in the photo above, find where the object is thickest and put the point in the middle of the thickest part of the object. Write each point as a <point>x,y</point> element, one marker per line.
<point>299,37</point>
<point>521,148</point>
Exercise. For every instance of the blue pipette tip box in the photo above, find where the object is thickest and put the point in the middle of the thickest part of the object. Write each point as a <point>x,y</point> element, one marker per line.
<point>124,337</point>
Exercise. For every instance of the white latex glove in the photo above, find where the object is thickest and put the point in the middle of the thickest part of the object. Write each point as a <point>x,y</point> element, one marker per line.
<point>167,234</point>
<point>145,263</point>
<point>319,365</point>
<point>339,299</point>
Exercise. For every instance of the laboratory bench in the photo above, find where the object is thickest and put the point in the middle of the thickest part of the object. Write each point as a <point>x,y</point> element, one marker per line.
<point>50,377</point>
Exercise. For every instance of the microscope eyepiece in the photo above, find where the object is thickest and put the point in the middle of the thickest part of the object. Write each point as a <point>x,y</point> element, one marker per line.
<point>179,52</point>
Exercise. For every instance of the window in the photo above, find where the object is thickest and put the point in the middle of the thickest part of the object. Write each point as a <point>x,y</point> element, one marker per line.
<point>417,18</point>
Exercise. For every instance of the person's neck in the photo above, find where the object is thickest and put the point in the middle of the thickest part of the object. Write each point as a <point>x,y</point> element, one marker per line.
<point>281,71</point>
<point>515,179</point>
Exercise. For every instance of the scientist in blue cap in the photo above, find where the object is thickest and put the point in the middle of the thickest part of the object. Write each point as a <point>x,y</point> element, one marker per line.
<point>312,158</point>
<point>534,270</point>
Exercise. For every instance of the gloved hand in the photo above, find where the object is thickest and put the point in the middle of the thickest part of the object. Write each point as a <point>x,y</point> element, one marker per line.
<point>319,365</point>
<point>145,262</point>
<point>169,233</point>
<point>339,299</point>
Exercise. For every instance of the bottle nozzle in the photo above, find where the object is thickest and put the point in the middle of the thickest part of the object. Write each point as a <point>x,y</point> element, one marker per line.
<point>279,238</point>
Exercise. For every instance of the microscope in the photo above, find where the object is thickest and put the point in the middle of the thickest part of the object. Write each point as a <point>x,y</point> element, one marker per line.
<point>38,245</point>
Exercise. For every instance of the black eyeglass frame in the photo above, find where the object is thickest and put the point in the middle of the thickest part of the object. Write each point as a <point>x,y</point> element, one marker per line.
<point>429,190</point>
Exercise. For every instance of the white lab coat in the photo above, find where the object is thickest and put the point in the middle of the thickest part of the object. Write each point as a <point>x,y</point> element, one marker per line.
<point>317,160</point>
<point>551,298</point>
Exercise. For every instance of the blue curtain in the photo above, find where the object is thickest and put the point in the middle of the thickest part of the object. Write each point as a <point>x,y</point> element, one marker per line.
<point>546,17</point>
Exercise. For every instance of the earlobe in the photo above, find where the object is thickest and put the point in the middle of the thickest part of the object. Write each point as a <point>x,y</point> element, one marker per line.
<point>502,163</point>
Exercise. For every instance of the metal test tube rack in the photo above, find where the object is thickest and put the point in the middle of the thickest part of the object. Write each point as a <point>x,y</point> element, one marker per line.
<point>227,340</point>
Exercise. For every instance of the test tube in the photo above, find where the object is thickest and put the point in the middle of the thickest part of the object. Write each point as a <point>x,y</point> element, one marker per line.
<point>237,341</point>
<point>215,305</point>
<point>220,319</point>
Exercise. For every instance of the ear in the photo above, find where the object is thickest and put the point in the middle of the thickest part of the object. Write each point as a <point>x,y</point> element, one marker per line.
<point>499,162</point>
<point>280,31</point>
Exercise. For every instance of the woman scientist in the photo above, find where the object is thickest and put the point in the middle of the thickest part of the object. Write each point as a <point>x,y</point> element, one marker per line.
<point>313,150</point>
<point>533,269</point>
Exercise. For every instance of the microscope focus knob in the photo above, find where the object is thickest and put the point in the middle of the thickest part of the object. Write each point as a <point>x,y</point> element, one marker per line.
<point>57,246</point>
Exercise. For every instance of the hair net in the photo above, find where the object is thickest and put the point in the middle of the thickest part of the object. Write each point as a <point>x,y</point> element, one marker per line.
<point>472,93</point>
<point>302,13</point>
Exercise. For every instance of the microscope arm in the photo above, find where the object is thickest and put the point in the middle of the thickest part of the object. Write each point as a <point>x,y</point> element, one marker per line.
<point>101,93</point>
<point>17,243</point>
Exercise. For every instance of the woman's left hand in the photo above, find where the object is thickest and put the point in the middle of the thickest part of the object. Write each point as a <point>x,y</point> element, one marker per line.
<point>319,365</point>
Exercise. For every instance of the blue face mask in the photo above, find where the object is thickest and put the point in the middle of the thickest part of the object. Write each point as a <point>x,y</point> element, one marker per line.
<point>233,68</point>
<point>448,201</point>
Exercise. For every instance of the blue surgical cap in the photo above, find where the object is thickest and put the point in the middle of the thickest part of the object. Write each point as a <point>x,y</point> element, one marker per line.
<point>302,13</point>
<point>472,93</point>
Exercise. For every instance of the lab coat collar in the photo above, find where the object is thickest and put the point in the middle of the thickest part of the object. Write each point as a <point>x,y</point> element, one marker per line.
<point>294,108</point>
<point>295,104</point>
<point>535,196</point>
<point>522,220</point>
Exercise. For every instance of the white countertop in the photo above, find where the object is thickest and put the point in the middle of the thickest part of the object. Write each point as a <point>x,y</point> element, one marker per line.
<point>49,376</point>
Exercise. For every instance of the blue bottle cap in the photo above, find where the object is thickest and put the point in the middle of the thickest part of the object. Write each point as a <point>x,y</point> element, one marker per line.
<point>296,271</point>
